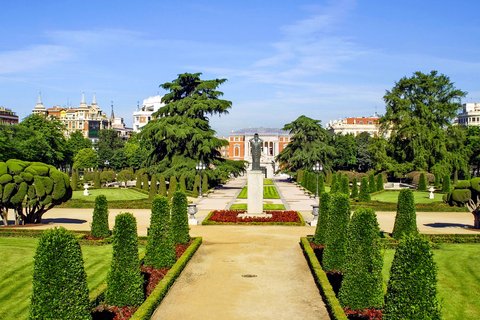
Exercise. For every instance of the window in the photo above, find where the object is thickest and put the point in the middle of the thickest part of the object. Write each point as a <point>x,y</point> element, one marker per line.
<point>236,151</point>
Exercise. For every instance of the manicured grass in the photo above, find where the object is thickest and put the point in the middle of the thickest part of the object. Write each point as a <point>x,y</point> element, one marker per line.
<point>269,192</point>
<point>267,182</point>
<point>419,196</point>
<point>16,266</point>
<point>112,194</point>
<point>458,279</point>
<point>266,206</point>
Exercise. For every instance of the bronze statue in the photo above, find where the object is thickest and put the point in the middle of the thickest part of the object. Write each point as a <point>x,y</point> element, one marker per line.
<point>256,150</point>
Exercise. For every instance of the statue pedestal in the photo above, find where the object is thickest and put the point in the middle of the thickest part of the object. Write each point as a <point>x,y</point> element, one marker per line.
<point>255,195</point>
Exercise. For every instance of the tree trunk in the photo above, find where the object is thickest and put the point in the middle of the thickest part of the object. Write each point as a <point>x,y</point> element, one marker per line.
<point>476,219</point>
<point>4,214</point>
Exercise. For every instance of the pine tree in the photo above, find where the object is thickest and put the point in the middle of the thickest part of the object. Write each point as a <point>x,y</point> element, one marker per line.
<point>323,218</point>
<point>354,193</point>
<point>160,251</point>
<point>412,287</point>
<point>74,183</point>
<point>100,227</point>
<point>422,182</point>
<point>153,187</point>
<point>336,240</point>
<point>59,282</point>
<point>162,188</point>
<point>364,195</point>
<point>406,218</point>
<point>124,280</point>
<point>180,218</point>
<point>362,285</point>
<point>372,187</point>
<point>172,186</point>
<point>380,182</point>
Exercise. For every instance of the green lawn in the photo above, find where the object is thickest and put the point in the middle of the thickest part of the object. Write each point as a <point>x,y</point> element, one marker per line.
<point>269,192</point>
<point>16,266</point>
<point>420,197</point>
<point>266,206</point>
<point>267,182</point>
<point>458,279</point>
<point>112,194</point>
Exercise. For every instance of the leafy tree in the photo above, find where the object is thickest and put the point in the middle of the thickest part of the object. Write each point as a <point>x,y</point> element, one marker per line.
<point>364,195</point>
<point>76,142</point>
<point>59,280</point>
<point>418,109</point>
<point>422,182</point>
<point>153,187</point>
<point>406,218</point>
<point>31,189</point>
<point>107,176</point>
<point>309,144</point>
<point>180,133</point>
<point>180,218</point>
<point>162,189</point>
<point>363,156</point>
<point>135,152</point>
<point>473,144</point>
<point>354,193</point>
<point>321,230</point>
<point>125,175</point>
<point>108,143</point>
<point>346,149</point>
<point>380,182</point>
<point>85,158</point>
<point>100,218</point>
<point>160,251</point>
<point>124,280</point>
<point>119,160</point>
<point>372,186</point>
<point>412,287</point>
<point>334,254</point>
<point>362,285</point>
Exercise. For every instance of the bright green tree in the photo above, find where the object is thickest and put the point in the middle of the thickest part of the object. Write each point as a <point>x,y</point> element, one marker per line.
<point>406,218</point>
<point>59,280</point>
<point>412,287</point>
<point>160,251</point>
<point>180,218</point>
<point>125,175</point>
<point>100,227</point>
<point>364,194</point>
<point>362,285</point>
<point>85,159</point>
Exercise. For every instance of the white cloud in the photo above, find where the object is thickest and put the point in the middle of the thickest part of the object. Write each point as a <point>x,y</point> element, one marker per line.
<point>33,57</point>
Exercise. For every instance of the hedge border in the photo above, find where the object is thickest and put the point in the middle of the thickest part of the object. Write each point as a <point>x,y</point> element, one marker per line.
<point>147,308</point>
<point>208,222</point>
<point>334,308</point>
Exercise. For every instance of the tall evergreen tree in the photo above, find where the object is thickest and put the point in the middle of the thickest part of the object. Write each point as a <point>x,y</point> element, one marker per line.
<point>321,184</point>
<point>204,183</point>
<point>334,185</point>
<point>446,184</point>
<point>100,227</point>
<point>145,182</point>
<point>196,186</point>
<point>344,185</point>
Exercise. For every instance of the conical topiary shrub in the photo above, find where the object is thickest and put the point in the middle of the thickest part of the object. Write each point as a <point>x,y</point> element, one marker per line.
<point>422,182</point>
<point>322,223</point>
<point>145,184</point>
<point>180,227</point>
<point>124,280</point>
<point>172,187</point>
<point>204,183</point>
<point>59,280</point>
<point>406,218</point>
<point>344,185</point>
<point>74,183</point>
<point>446,184</point>
<point>96,180</point>
<point>321,184</point>
<point>153,187</point>
<point>362,285</point>
<point>138,180</point>
<point>336,239</point>
<point>380,182</point>
<point>160,252</point>
<point>182,184</point>
<point>372,186</point>
<point>412,287</point>
<point>354,193</point>
<point>196,186</point>
<point>100,227</point>
<point>334,184</point>
<point>364,195</point>
<point>162,187</point>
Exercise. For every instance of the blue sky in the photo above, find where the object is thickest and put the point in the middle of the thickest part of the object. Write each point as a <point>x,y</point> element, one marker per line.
<point>282,59</point>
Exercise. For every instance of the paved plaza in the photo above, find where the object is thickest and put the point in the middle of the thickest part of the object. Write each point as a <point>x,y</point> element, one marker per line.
<point>249,272</point>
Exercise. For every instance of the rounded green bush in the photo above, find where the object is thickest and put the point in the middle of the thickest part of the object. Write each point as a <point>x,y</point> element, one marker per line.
<point>41,170</point>
<point>180,218</point>
<point>16,166</point>
<point>412,287</point>
<point>336,239</point>
<point>406,218</point>
<point>26,176</point>
<point>39,186</point>
<point>18,179</point>
<point>362,285</point>
<point>5,178</point>
<point>19,196</point>
<point>475,184</point>
<point>8,190</point>
<point>48,183</point>
<point>59,280</point>
<point>461,195</point>
<point>100,218</point>
<point>462,184</point>
<point>124,280</point>
<point>160,251</point>
<point>323,218</point>
<point>364,194</point>
<point>3,168</point>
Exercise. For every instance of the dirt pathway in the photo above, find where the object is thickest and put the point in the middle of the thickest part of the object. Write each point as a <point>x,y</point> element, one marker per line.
<point>245,272</point>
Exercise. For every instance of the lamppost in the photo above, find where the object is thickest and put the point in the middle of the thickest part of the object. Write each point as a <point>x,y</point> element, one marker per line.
<point>106,163</point>
<point>200,167</point>
<point>317,168</point>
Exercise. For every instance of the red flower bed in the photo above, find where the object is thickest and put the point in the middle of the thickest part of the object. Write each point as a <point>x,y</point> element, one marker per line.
<point>366,314</point>
<point>231,216</point>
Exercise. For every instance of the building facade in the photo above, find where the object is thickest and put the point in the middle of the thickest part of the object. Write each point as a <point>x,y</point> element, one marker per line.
<point>470,115</point>
<point>355,125</point>
<point>7,116</point>
<point>274,141</point>
<point>143,115</point>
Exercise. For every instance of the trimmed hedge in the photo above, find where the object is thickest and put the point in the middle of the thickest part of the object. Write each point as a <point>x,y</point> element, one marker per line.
<point>336,239</point>
<point>380,186</point>
<point>172,186</point>
<point>145,311</point>
<point>204,183</point>
<point>160,251</point>
<point>182,183</point>
<point>196,186</point>
<point>406,218</point>
<point>124,280</point>
<point>59,280</point>
<point>162,188</point>
<point>364,194</point>
<point>461,196</point>
<point>422,182</point>
<point>334,185</point>
<point>372,186</point>
<point>354,193</point>
<point>145,185</point>
<point>97,182</point>
<point>344,185</point>
<point>446,184</point>
<point>323,212</point>
<point>412,287</point>
<point>100,227</point>
<point>179,218</point>
<point>362,285</point>
<point>333,306</point>
<point>153,187</point>
<point>74,182</point>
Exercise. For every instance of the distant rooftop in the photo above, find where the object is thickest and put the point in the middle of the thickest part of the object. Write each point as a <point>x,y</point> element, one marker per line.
<point>260,131</point>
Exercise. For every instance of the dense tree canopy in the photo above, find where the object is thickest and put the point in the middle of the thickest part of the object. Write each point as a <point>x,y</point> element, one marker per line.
<point>309,144</point>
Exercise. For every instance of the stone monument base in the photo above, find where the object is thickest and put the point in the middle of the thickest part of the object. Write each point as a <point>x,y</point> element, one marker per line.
<point>255,192</point>
<point>249,215</point>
